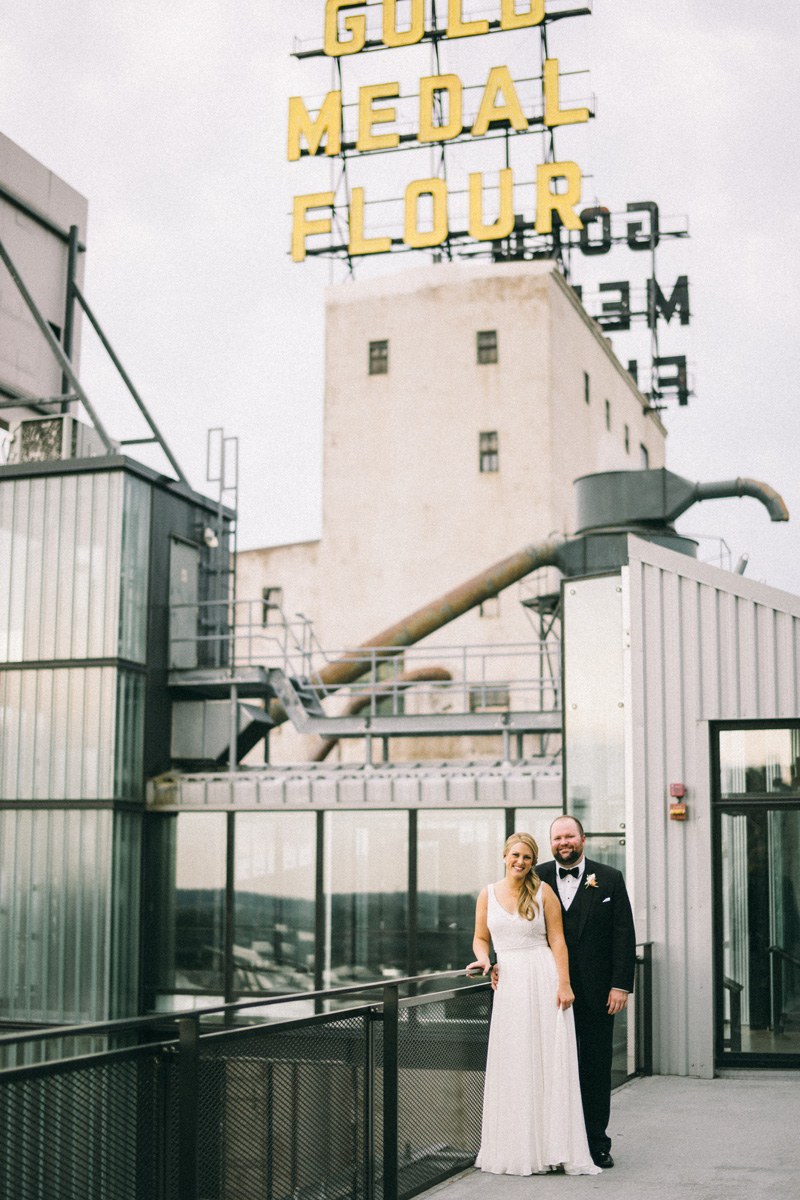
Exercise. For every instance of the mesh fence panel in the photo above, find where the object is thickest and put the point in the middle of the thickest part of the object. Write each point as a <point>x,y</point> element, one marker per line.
<point>442,1051</point>
<point>283,1113</point>
<point>86,1132</point>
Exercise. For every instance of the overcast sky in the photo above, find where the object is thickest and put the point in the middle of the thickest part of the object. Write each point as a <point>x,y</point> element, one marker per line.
<point>170,116</point>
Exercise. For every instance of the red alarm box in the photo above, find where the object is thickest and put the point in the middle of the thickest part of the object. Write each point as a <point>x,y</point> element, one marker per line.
<point>677,812</point>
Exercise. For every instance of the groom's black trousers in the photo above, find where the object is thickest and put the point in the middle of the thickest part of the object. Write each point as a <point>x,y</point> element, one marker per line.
<point>594,1029</point>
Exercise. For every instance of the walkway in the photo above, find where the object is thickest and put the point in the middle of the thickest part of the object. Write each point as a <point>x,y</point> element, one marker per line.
<point>735,1138</point>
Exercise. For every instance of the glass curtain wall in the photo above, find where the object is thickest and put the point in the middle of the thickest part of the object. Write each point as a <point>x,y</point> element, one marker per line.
<point>758,894</point>
<point>459,852</point>
<point>365,896</point>
<point>316,899</point>
<point>187,855</point>
<point>274,881</point>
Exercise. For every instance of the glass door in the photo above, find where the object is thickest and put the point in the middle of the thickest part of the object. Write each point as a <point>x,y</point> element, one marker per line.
<point>757,881</point>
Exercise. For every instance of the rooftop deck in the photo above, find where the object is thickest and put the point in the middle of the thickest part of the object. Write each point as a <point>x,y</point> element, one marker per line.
<point>700,1139</point>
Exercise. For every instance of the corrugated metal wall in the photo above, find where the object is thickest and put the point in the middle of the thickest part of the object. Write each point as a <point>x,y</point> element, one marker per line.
<point>61,538</point>
<point>701,644</point>
<point>57,733</point>
<point>74,554</point>
<point>55,914</point>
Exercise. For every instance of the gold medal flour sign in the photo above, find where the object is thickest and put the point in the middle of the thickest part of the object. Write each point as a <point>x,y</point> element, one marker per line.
<point>439,119</point>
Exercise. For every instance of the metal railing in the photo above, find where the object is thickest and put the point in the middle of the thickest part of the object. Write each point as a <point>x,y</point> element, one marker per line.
<point>734,990</point>
<point>779,959</point>
<point>246,633</point>
<point>377,1101</point>
<point>643,1009</point>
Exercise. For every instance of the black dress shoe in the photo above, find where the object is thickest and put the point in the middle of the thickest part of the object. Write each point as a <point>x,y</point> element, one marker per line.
<point>602,1158</point>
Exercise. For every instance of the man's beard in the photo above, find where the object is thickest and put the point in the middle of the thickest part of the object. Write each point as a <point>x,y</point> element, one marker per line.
<point>568,858</point>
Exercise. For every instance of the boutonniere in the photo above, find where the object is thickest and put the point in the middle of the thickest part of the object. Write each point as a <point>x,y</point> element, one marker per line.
<point>591,881</point>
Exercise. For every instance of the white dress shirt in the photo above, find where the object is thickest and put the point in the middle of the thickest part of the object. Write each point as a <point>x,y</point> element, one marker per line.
<point>568,887</point>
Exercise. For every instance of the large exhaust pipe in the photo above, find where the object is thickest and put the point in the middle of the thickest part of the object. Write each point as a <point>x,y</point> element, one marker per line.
<point>444,610</point>
<point>610,505</point>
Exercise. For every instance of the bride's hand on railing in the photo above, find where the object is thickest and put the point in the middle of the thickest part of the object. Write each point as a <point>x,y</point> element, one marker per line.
<point>481,966</point>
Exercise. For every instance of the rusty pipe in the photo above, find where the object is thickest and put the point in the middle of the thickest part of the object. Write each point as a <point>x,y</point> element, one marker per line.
<point>405,679</point>
<point>440,612</point>
<point>433,616</point>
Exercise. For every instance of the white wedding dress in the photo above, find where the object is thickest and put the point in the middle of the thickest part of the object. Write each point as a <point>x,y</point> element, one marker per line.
<point>532,1113</point>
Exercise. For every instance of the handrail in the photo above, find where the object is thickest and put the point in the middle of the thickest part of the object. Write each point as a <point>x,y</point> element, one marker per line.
<point>779,957</point>
<point>785,955</point>
<point>734,1042</point>
<point>643,1013</point>
<point>129,1023</point>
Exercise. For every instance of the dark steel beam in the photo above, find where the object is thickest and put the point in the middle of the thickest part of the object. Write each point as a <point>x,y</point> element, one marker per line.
<point>69,307</point>
<point>24,207</point>
<point>128,383</point>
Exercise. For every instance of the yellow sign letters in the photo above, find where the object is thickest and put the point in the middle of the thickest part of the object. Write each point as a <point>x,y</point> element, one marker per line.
<point>440,119</point>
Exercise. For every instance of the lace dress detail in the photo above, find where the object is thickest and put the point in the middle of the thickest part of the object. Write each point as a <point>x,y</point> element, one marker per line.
<point>532,1112</point>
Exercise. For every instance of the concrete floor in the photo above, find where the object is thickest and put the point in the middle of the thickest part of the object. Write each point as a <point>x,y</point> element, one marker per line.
<point>733,1138</point>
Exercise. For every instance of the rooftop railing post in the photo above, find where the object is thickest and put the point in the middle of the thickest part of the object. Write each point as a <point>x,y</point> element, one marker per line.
<point>188,1106</point>
<point>777,991</point>
<point>647,1008</point>
<point>391,1082</point>
<point>370,1107</point>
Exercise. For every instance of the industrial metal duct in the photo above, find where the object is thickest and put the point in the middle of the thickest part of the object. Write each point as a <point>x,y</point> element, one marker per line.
<point>613,504</point>
<point>610,505</point>
<point>657,498</point>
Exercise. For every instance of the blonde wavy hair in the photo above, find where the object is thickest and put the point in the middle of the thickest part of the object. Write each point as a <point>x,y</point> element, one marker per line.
<point>527,904</point>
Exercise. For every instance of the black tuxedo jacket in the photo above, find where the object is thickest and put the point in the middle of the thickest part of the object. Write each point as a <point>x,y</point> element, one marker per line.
<point>601,939</point>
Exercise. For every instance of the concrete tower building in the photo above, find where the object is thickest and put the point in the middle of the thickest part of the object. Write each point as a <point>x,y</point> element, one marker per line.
<point>461,401</point>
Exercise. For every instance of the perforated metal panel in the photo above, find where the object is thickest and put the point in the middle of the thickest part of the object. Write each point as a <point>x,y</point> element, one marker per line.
<point>442,1053</point>
<point>284,1112</point>
<point>86,1131</point>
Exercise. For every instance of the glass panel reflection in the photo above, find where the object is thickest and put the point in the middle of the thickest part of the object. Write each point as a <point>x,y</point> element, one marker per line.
<point>459,852</point>
<point>609,850</point>
<point>593,702</point>
<point>760,864</point>
<point>366,896</point>
<point>757,762</point>
<point>274,902</point>
<point>188,862</point>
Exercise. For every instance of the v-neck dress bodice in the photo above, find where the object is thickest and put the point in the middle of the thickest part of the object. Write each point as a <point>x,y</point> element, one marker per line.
<point>510,931</point>
<point>532,1112</point>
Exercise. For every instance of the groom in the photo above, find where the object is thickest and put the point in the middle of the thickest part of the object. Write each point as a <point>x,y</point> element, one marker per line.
<point>598,927</point>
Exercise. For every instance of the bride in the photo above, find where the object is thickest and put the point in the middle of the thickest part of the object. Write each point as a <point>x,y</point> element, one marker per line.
<point>536,1125</point>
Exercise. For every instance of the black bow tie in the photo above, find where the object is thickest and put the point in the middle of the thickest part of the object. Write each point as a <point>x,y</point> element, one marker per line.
<point>565,871</point>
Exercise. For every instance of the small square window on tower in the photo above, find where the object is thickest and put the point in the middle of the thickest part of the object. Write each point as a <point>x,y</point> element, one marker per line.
<point>488,453</point>
<point>379,358</point>
<point>271,605</point>
<point>487,345</point>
